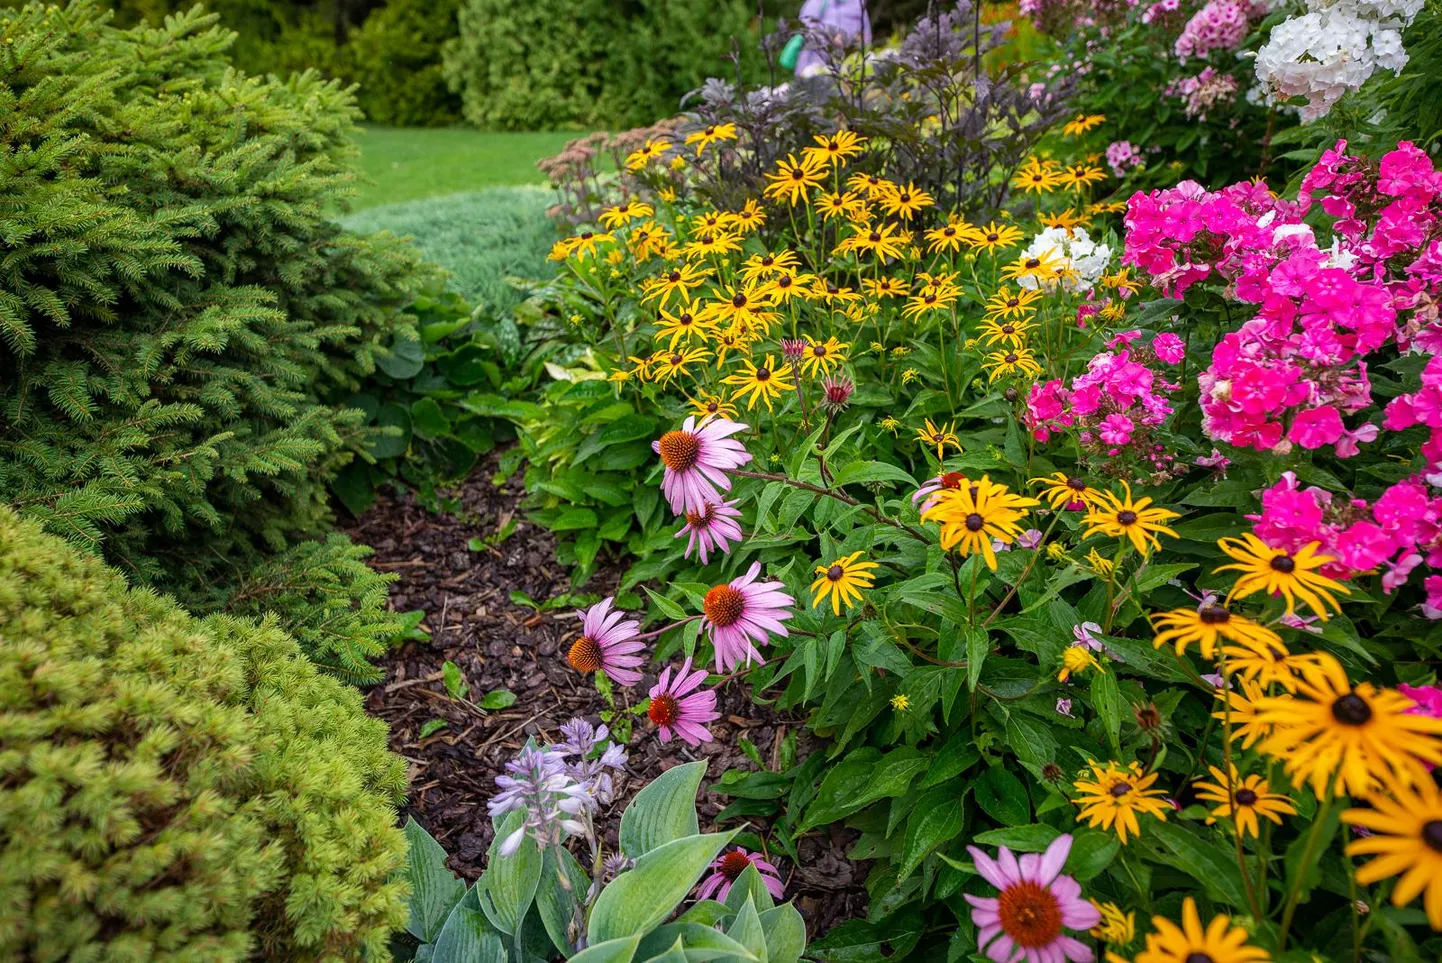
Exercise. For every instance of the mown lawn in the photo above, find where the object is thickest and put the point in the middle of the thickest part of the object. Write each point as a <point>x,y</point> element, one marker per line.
<point>410,163</point>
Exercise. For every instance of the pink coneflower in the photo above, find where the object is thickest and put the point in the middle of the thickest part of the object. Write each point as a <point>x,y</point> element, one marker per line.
<point>676,705</point>
<point>1024,920</point>
<point>696,460</point>
<point>742,612</point>
<point>728,868</point>
<point>607,643</point>
<point>712,527</point>
<point>951,479</point>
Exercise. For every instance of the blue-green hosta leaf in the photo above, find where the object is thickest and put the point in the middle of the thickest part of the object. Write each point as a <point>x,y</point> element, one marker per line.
<point>621,950</point>
<point>663,811</point>
<point>435,890</point>
<point>468,937</point>
<point>746,929</point>
<point>699,943</point>
<point>785,933</point>
<point>644,896</point>
<point>509,883</point>
<point>555,902</point>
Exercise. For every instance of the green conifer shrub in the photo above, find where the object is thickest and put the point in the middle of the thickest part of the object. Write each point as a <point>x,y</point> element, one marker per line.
<point>175,789</point>
<point>180,313</point>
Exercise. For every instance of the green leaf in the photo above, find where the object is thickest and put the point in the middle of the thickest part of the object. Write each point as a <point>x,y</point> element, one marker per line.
<point>435,890</point>
<point>574,519</point>
<point>1107,701</point>
<point>1154,576</point>
<point>1145,659</point>
<point>509,883</point>
<point>1091,853</point>
<point>862,472</point>
<point>1214,868</point>
<point>498,699</point>
<point>1209,528</point>
<point>1034,838</point>
<point>937,818</point>
<point>701,942</point>
<point>1031,740</point>
<point>860,779</point>
<point>354,488</point>
<point>404,360</point>
<point>978,643</point>
<point>468,937</point>
<point>621,950</point>
<point>553,901</point>
<point>431,727</point>
<point>746,929</point>
<point>749,887</point>
<point>392,444</point>
<point>785,934</point>
<point>428,420</point>
<point>454,682</point>
<point>1002,796</point>
<point>676,954</point>
<point>669,608</point>
<point>663,811</point>
<point>639,899</point>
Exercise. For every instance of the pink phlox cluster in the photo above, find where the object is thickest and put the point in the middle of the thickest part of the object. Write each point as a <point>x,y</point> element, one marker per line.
<point>1205,92</point>
<point>1396,533</point>
<point>1220,25</point>
<point>1422,407</point>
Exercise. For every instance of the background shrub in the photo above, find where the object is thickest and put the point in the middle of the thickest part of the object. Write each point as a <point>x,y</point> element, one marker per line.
<point>593,63</point>
<point>180,310</point>
<point>179,789</point>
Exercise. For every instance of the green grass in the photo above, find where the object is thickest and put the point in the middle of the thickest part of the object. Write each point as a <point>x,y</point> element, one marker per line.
<point>481,237</point>
<point>411,163</point>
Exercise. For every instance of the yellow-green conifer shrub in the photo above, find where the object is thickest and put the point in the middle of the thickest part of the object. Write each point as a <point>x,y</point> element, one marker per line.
<point>175,789</point>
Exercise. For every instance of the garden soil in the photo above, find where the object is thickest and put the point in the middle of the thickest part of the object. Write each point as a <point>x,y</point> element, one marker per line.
<point>501,644</point>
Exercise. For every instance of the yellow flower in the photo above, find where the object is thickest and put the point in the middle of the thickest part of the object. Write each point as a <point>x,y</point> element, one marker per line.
<point>823,356</point>
<point>784,287</point>
<point>903,202</point>
<point>891,424</point>
<point>949,237</point>
<point>1243,799</point>
<point>648,151</point>
<point>1115,795</point>
<point>943,437</point>
<point>900,703</point>
<point>1005,304</point>
<point>1042,268</point>
<point>1036,176</point>
<point>1014,361</point>
<point>1075,660</point>
<point>1116,927</point>
<point>1011,333</point>
<point>1082,123</point>
<point>835,149</point>
<point>1121,281</point>
<point>766,265</point>
<point>872,185</point>
<point>995,237</point>
<point>707,405</point>
<point>711,134</point>
<point>1343,738</point>
<point>764,383</point>
<point>626,212</point>
<point>1206,625</point>
<point>885,287</point>
<point>909,375</point>
<point>1134,520</point>
<point>880,240</point>
<point>1102,566</point>
<point>928,300</point>
<point>722,242</point>
<point>747,304</point>
<point>712,222</point>
<point>837,205</point>
<point>1080,175</point>
<point>1275,570</point>
<point>668,365</point>
<point>830,293</point>
<point>842,581</point>
<point>1218,942</point>
<point>1066,491</point>
<point>679,279</point>
<point>1406,838</point>
<point>1241,713</point>
<point>749,218</point>
<point>794,179</point>
<point>580,245</point>
<point>687,322</point>
<point>647,239</point>
<point>972,515</point>
<point>1066,220</point>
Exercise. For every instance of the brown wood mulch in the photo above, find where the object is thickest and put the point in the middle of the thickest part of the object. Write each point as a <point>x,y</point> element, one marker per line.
<point>499,644</point>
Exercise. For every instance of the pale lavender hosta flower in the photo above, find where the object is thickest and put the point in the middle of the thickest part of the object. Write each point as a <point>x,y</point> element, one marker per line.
<point>743,614</point>
<point>728,868</point>
<point>713,527</point>
<point>696,459</point>
<point>558,793</point>
<point>608,642</point>
<point>1027,920</point>
<point>678,706</point>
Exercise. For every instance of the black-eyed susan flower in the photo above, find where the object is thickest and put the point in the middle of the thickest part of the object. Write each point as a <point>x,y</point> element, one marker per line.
<point>1206,625</point>
<point>1007,332</point>
<point>1067,220</point>
<point>1115,795</point>
<point>731,341</point>
<point>783,287</point>
<point>1078,176</point>
<point>1076,659</point>
<point>940,437</point>
<point>1218,942</point>
<point>1121,281</point>
<point>1405,836</point>
<point>835,148</point>
<point>821,357</point>
<point>584,244</point>
<point>1341,738</point>
<point>973,516</point>
<point>748,304</point>
<point>880,240</point>
<point>949,237</point>
<point>885,287</point>
<point>1276,571</point>
<point>836,205</point>
<point>646,153</point>
<point>749,218</point>
<point>1082,123</point>
<point>678,280</point>
<point>829,292</point>
<point>769,264</point>
<point>872,185</point>
<point>904,201</point>
<point>842,581</point>
<point>794,179</point>
<point>648,239</point>
<point>1240,712</point>
<point>1037,176</point>
<point>1063,491</point>
<point>711,222</point>
<point>995,237</point>
<point>687,322</point>
<point>707,405</point>
<point>1040,269</point>
<point>1006,303</point>
<point>705,243</point>
<point>1243,799</point>
<point>709,135</point>
<point>1134,520</point>
<point>1011,362</point>
<point>671,364</point>
<point>760,383</point>
<point>927,300</point>
<point>626,212</point>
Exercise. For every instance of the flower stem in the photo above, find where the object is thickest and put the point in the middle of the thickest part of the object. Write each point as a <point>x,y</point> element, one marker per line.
<point>839,496</point>
<point>1309,855</point>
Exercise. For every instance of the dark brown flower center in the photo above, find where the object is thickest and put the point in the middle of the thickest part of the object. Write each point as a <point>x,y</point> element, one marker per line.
<point>1351,710</point>
<point>873,237</point>
<point>904,198</point>
<point>739,301</point>
<point>1013,302</point>
<point>835,572</point>
<point>832,289</point>
<point>1033,262</point>
<point>767,261</point>
<point>684,318</point>
<point>763,374</point>
<point>832,146</point>
<point>975,523</point>
<point>710,131</point>
<point>680,450</point>
<point>1199,958</point>
<point>724,606</point>
<point>1246,797</point>
<point>993,237</point>
<point>1076,484</point>
<point>948,232</point>
<point>676,359</point>
<point>1008,329</point>
<point>1120,789</point>
<point>783,282</point>
<point>586,235</point>
<point>1214,615</point>
<point>674,276</point>
<point>1011,358</point>
<point>819,350</point>
<point>585,654</point>
<point>1432,834</point>
<point>1284,564</point>
<point>1127,517</point>
<point>665,710</point>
